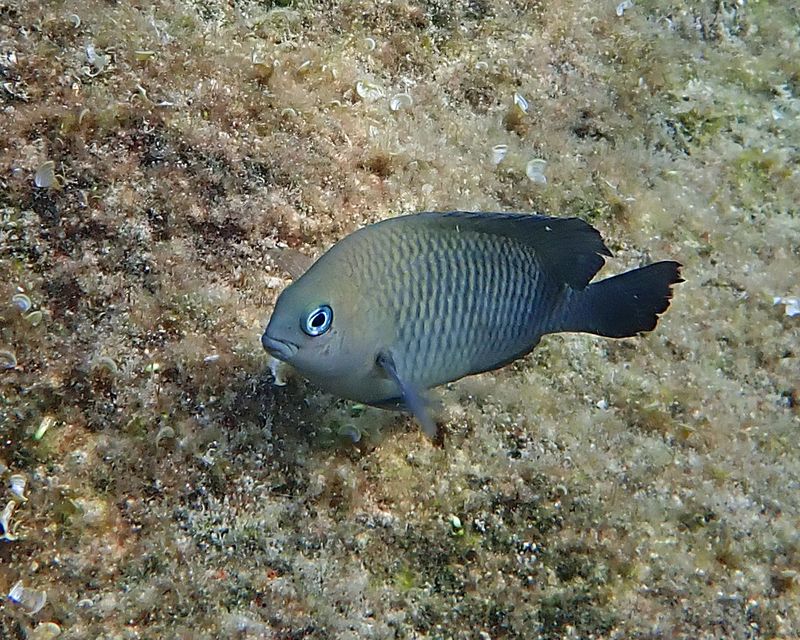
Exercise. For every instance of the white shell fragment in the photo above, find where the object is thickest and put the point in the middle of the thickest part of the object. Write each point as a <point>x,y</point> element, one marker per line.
<point>17,484</point>
<point>400,101</point>
<point>535,171</point>
<point>499,152</point>
<point>45,176</point>
<point>21,302</point>
<point>791,305</point>
<point>8,360</point>
<point>44,425</point>
<point>5,522</point>
<point>521,102</point>
<point>280,371</point>
<point>368,91</point>
<point>623,6</point>
<point>97,60</point>
<point>45,631</point>
<point>32,600</point>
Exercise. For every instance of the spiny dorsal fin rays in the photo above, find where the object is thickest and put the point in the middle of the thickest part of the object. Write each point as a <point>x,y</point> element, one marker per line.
<point>570,249</point>
<point>412,397</point>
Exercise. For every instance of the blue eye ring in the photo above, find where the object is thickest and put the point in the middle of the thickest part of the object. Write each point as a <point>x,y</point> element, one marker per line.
<point>318,321</point>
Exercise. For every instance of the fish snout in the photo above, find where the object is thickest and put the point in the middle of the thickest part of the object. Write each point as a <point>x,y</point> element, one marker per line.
<point>280,349</point>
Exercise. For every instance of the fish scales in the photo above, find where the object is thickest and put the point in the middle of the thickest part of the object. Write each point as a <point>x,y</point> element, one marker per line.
<point>464,300</point>
<point>410,303</point>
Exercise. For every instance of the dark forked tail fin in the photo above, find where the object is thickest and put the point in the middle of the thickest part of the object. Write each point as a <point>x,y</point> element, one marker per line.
<point>624,305</point>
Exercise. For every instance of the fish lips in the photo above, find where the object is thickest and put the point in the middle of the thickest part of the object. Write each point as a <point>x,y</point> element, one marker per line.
<point>280,349</point>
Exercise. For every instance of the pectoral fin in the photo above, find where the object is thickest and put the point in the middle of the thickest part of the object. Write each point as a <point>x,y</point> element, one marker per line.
<point>413,398</point>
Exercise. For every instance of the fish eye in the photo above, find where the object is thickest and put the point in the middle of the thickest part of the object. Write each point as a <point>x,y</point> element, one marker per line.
<point>318,321</point>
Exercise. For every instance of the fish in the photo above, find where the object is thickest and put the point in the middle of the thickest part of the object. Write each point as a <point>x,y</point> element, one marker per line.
<point>413,302</point>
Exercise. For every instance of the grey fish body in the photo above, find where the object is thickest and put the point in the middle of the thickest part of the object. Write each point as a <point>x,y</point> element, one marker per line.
<point>422,300</point>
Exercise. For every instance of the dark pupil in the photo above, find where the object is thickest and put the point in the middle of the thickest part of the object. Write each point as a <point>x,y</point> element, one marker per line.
<point>318,320</point>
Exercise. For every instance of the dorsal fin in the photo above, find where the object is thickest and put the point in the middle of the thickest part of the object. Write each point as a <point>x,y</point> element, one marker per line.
<point>570,249</point>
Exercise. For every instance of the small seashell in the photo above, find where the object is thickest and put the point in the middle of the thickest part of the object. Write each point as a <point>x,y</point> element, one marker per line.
<point>45,631</point>
<point>521,102</point>
<point>34,318</point>
<point>211,358</point>
<point>481,65</point>
<point>368,91</point>
<point>400,101</point>
<point>165,433</point>
<point>350,432</point>
<point>5,522</point>
<point>623,6</point>
<point>535,171</point>
<point>8,360</point>
<point>791,305</point>
<point>304,68</point>
<point>44,425</point>
<point>32,600</point>
<point>45,176</point>
<point>97,60</point>
<point>144,55</point>
<point>104,363</point>
<point>21,302</point>
<point>499,152</point>
<point>370,44</point>
<point>17,484</point>
<point>74,19</point>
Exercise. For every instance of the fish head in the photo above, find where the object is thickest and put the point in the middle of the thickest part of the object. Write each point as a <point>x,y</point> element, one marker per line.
<point>322,328</point>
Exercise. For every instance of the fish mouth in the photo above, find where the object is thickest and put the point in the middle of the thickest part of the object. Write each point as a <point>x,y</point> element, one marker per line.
<point>280,349</point>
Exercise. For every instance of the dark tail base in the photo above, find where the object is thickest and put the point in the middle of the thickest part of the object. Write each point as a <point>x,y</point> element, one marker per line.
<point>627,304</point>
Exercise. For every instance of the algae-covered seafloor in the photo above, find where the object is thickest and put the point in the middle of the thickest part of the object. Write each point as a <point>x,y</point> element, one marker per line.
<point>160,162</point>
